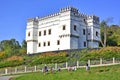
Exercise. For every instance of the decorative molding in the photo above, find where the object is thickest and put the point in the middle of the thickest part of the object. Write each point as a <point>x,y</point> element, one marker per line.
<point>31,40</point>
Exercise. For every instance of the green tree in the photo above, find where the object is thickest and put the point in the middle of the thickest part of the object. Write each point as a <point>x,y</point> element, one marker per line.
<point>23,49</point>
<point>10,47</point>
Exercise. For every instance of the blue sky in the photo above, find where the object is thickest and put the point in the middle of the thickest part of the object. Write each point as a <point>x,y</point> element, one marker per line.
<point>14,13</point>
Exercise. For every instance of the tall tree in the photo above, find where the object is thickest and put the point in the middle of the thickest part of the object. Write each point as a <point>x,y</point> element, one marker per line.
<point>10,46</point>
<point>23,49</point>
<point>104,27</point>
<point>24,44</point>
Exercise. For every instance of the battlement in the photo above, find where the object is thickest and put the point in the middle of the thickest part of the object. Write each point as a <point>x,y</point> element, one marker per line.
<point>33,19</point>
<point>49,16</point>
<point>69,8</point>
<point>62,10</point>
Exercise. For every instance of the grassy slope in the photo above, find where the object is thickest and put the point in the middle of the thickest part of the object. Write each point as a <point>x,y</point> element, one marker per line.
<point>99,73</point>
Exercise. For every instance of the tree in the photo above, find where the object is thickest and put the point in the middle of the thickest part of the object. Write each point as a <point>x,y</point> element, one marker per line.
<point>24,44</point>
<point>23,49</point>
<point>104,27</point>
<point>10,46</point>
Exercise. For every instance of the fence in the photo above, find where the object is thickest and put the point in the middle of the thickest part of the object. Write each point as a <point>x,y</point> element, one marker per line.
<point>78,64</point>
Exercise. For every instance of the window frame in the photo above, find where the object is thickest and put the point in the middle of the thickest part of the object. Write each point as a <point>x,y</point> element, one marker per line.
<point>39,45</point>
<point>28,34</point>
<point>44,32</point>
<point>49,31</point>
<point>75,28</point>
<point>39,33</point>
<point>44,44</point>
<point>85,44</point>
<point>48,43</point>
<point>58,42</point>
<point>64,27</point>
<point>96,33</point>
<point>84,31</point>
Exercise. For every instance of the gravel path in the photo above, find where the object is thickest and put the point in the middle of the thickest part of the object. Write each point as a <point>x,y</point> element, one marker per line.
<point>5,77</point>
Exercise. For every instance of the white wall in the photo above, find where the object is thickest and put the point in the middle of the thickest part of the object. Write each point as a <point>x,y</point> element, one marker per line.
<point>69,38</point>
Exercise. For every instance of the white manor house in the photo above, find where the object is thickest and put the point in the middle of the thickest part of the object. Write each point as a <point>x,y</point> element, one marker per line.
<point>64,30</point>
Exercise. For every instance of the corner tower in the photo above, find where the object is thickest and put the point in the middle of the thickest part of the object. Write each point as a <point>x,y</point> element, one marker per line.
<point>31,35</point>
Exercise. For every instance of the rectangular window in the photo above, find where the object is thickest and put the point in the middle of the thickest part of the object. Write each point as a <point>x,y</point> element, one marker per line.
<point>44,44</point>
<point>39,33</point>
<point>84,44</point>
<point>28,34</point>
<point>44,32</point>
<point>64,27</point>
<point>39,45</point>
<point>49,31</point>
<point>58,42</point>
<point>96,33</point>
<point>48,43</point>
<point>75,27</point>
<point>83,31</point>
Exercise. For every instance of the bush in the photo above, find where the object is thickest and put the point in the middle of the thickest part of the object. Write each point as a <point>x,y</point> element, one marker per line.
<point>12,61</point>
<point>50,58</point>
<point>106,53</point>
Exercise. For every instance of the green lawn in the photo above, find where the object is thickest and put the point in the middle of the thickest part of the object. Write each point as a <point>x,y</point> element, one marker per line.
<point>99,73</point>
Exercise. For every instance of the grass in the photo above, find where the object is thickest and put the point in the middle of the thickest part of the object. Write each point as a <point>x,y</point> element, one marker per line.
<point>99,73</point>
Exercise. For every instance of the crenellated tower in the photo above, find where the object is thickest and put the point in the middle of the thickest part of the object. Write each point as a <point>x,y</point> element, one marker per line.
<point>31,35</point>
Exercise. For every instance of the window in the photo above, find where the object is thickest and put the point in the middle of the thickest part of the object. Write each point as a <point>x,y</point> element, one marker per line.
<point>44,44</point>
<point>58,42</point>
<point>39,33</point>
<point>48,43</point>
<point>44,32</point>
<point>83,31</point>
<point>28,34</point>
<point>64,27</point>
<point>49,31</point>
<point>75,27</point>
<point>39,45</point>
<point>84,44</point>
<point>96,33</point>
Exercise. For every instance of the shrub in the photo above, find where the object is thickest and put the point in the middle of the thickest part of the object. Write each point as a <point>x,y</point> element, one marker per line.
<point>12,61</point>
<point>106,53</point>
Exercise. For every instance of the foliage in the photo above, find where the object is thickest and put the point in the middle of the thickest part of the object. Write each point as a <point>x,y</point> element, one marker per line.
<point>12,61</point>
<point>10,47</point>
<point>50,57</point>
<point>112,34</point>
<point>108,52</point>
<point>13,58</point>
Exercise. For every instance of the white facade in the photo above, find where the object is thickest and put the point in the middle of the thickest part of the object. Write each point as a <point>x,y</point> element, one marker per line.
<point>67,29</point>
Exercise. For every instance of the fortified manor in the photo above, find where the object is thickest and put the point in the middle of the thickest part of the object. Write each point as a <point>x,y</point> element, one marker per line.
<point>67,29</point>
